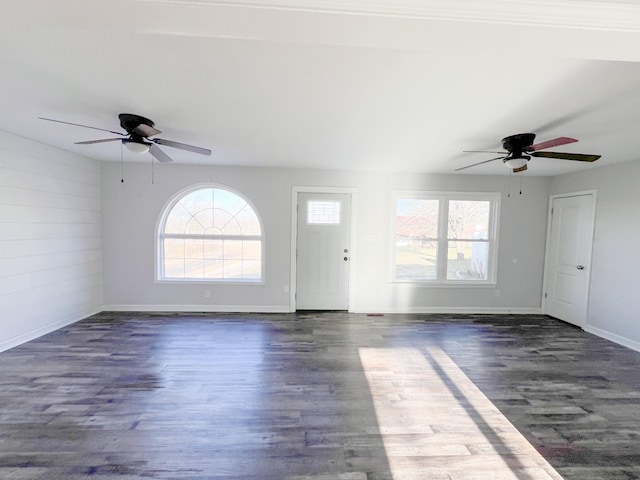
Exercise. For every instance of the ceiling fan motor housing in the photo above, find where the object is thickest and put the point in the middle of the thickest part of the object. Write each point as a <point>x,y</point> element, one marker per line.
<point>516,144</point>
<point>130,122</point>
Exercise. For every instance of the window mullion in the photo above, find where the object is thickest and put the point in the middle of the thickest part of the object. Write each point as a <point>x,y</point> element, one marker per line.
<point>178,236</point>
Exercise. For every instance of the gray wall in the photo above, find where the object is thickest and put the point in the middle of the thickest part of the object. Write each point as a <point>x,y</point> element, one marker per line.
<point>613,309</point>
<point>131,211</point>
<point>50,239</point>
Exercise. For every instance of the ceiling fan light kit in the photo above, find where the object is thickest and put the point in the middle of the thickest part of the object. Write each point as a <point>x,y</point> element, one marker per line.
<point>137,139</point>
<point>520,148</point>
<point>136,147</point>
<point>516,162</point>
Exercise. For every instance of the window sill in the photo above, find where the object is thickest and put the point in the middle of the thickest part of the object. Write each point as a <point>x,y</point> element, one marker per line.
<point>207,281</point>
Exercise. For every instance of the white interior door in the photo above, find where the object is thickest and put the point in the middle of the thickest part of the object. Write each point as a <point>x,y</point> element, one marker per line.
<point>323,251</point>
<point>569,257</point>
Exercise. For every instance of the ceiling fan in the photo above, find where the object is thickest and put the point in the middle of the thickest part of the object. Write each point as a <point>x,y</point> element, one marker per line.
<point>138,129</point>
<point>520,148</point>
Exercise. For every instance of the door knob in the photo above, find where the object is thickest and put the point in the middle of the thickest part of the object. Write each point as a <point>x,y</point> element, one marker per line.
<point>580,267</point>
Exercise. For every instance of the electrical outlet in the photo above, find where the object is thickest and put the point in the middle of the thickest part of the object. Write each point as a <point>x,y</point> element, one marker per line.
<point>496,292</point>
<point>207,294</point>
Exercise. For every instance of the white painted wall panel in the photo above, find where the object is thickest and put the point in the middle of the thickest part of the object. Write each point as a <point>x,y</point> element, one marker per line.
<point>39,183</point>
<point>19,213</point>
<point>31,198</point>
<point>50,239</point>
<point>45,168</point>
<point>48,246</point>
<point>43,278</point>
<point>29,231</point>
<point>40,262</point>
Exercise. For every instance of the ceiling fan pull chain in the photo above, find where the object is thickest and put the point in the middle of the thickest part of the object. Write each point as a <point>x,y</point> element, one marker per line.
<point>121,164</point>
<point>152,170</point>
<point>521,182</point>
<point>509,189</point>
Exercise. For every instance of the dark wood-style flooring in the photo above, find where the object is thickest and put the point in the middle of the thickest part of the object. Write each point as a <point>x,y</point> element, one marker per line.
<point>328,396</point>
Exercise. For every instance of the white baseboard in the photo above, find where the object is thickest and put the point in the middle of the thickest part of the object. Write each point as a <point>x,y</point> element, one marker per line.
<point>48,328</point>
<point>625,342</point>
<point>198,308</point>
<point>461,310</point>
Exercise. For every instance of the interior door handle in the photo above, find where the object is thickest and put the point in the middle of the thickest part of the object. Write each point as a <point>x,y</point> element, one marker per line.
<point>580,267</point>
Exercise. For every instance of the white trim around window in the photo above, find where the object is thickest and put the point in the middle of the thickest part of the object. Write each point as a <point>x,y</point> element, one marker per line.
<point>444,238</point>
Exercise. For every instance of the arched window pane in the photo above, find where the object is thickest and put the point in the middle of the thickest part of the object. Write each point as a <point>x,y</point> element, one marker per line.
<point>228,201</point>
<point>248,222</point>
<point>225,223</point>
<point>177,220</point>
<point>211,234</point>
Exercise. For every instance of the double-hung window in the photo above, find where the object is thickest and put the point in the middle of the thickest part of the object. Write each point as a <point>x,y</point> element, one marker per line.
<point>448,238</point>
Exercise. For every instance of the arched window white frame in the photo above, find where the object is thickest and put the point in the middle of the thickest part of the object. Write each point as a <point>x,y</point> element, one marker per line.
<point>210,233</point>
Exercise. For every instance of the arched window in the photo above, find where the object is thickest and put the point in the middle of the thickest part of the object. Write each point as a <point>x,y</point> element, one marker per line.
<point>211,234</point>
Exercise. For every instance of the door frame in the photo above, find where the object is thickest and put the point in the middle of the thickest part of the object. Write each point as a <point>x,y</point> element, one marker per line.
<point>293,276</point>
<point>552,198</point>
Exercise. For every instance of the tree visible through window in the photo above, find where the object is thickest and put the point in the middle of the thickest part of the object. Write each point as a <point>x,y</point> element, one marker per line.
<point>416,239</point>
<point>444,237</point>
<point>210,234</point>
<point>468,239</point>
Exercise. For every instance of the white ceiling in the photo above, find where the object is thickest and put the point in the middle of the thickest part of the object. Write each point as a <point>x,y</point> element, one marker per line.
<point>386,85</point>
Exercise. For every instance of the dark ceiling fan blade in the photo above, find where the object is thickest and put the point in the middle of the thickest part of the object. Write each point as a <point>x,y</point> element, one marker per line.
<point>182,146</point>
<point>84,126</point>
<point>146,130</point>
<point>567,156</point>
<point>159,154</point>
<point>484,151</point>
<point>555,142</point>
<point>89,142</point>
<point>521,169</point>
<point>479,163</point>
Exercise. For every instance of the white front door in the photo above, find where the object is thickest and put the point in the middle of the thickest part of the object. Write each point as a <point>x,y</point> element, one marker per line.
<point>323,251</point>
<point>569,257</point>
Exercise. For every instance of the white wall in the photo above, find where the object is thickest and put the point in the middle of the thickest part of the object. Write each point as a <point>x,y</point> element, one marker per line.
<point>131,211</point>
<point>50,239</point>
<point>613,309</point>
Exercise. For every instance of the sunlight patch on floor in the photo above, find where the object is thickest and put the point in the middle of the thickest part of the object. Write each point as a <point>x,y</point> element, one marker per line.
<point>436,424</point>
